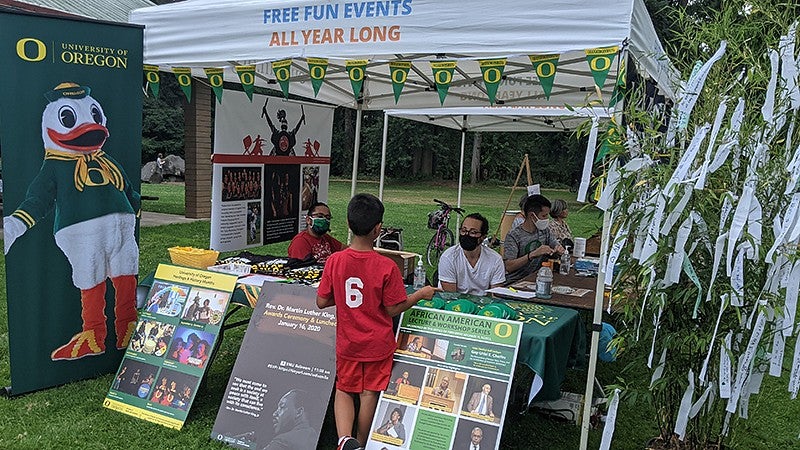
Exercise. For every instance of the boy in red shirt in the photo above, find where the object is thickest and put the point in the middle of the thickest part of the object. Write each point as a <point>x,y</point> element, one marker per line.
<point>367,290</point>
<point>315,241</point>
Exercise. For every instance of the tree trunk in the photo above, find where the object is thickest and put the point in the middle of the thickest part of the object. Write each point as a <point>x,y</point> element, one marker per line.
<point>475,164</point>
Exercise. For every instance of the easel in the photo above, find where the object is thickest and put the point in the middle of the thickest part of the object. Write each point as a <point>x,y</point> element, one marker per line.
<point>525,165</point>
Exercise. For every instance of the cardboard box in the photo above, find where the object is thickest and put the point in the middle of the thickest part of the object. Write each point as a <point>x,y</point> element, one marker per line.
<point>405,261</point>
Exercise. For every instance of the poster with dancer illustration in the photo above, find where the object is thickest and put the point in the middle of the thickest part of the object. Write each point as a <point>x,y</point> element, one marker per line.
<point>171,346</point>
<point>71,119</point>
<point>271,162</point>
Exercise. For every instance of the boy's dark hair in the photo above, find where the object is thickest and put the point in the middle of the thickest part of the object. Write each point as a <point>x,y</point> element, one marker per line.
<point>484,221</point>
<point>535,203</point>
<point>314,206</point>
<point>363,213</point>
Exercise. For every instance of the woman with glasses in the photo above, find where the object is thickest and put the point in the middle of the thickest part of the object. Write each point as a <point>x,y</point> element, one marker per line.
<point>314,242</point>
<point>471,268</point>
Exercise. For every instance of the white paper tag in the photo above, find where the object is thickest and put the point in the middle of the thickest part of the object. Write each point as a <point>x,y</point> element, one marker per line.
<point>675,214</point>
<point>719,247</point>
<point>788,219</point>
<point>701,179</point>
<point>737,224</point>
<point>790,308</point>
<point>620,240</point>
<point>686,160</point>
<point>722,304</point>
<point>776,356</point>
<point>588,161</point>
<point>695,86</point>
<point>607,196</point>
<point>656,324</point>
<point>659,368</point>
<point>700,402</point>
<point>746,362</point>
<point>767,109</point>
<point>534,189</point>
<point>611,419</point>
<point>725,367</point>
<point>794,375</point>
<point>685,408</point>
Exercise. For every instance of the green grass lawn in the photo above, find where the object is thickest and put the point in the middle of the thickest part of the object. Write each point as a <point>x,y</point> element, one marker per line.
<point>72,416</point>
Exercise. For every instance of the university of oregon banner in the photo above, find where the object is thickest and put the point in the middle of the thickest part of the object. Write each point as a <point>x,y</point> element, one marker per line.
<point>247,76</point>
<point>492,70</point>
<point>71,120</point>
<point>153,78</point>
<point>184,76</point>
<point>283,71</point>
<point>600,60</point>
<point>545,68</point>
<point>399,72</point>
<point>317,67</point>
<point>215,79</point>
<point>356,69</point>
<point>443,76</point>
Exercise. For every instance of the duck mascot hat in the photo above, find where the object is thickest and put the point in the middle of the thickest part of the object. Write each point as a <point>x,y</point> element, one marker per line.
<point>95,216</point>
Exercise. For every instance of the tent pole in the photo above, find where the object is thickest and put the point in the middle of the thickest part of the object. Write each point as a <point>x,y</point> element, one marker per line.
<point>597,323</point>
<point>461,167</point>
<point>383,154</point>
<point>356,148</point>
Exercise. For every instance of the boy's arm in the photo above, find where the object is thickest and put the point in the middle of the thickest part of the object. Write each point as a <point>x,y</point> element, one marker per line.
<point>324,302</point>
<point>426,292</point>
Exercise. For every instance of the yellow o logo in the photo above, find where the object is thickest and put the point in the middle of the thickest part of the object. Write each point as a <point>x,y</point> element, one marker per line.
<point>215,80</point>
<point>546,69</point>
<point>448,77</point>
<point>184,79</point>
<point>282,73</point>
<point>503,330</point>
<point>247,78</point>
<point>492,75</point>
<point>152,77</point>
<point>597,66</point>
<point>399,76</point>
<point>356,74</point>
<point>316,72</point>
<point>41,49</point>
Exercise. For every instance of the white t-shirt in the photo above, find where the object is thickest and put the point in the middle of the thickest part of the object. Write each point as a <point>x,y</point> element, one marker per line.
<point>488,271</point>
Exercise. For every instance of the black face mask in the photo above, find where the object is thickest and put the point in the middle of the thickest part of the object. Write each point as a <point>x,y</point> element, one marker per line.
<point>468,242</point>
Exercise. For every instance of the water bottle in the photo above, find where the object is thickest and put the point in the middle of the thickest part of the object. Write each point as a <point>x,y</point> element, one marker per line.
<point>419,275</point>
<point>565,263</point>
<point>544,281</point>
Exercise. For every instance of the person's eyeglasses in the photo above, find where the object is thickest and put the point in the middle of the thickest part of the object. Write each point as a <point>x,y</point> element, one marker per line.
<point>472,233</point>
<point>321,216</point>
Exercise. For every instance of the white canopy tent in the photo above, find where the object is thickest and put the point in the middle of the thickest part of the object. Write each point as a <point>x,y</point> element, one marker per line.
<point>225,33</point>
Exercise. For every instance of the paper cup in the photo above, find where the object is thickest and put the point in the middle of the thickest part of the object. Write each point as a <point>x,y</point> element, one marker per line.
<point>580,247</point>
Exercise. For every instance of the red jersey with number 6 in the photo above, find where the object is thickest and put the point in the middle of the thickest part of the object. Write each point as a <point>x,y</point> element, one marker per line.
<point>361,283</point>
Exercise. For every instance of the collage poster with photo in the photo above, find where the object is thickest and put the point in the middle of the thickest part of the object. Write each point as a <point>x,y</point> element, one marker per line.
<point>281,382</point>
<point>271,163</point>
<point>450,382</point>
<point>171,345</point>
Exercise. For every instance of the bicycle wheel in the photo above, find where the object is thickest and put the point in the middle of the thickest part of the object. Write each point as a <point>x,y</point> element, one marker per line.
<point>434,251</point>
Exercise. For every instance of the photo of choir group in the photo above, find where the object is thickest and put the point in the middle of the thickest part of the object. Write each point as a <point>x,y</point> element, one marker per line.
<point>241,183</point>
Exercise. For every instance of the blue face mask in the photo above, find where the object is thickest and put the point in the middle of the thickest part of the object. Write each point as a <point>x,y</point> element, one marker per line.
<point>320,225</point>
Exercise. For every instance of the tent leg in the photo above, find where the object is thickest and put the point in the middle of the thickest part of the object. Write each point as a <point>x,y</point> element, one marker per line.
<point>597,322</point>
<point>356,148</point>
<point>383,154</point>
<point>461,169</point>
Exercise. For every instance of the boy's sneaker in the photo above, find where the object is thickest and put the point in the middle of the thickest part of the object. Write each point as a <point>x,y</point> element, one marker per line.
<point>349,443</point>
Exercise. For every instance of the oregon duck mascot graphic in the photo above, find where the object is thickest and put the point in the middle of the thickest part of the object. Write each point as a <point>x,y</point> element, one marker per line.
<point>95,216</point>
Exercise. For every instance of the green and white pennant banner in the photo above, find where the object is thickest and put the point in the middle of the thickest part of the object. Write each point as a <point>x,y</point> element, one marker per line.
<point>216,80</point>
<point>317,68</point>
<point>283,71</point>
<point>356,70</point>
<point>184,76</point>
<point>545,68</point>
<point>398,71</point>
<point>492,71</point>
<point>153,78</point>
<point>443,76</point>
<point>247,76</point>
<point>600,61</point>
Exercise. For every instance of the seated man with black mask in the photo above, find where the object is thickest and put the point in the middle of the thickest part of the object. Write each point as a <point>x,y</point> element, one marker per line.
<point>471,268</point>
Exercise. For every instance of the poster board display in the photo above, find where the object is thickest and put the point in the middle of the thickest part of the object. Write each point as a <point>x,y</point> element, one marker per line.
<point>450,382</point>
<point>281,382</point>
<point>271,163</point>
<point>172,345</point>
<point>71,130</point>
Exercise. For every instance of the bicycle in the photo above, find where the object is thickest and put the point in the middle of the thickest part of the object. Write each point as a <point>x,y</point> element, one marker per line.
<point>439,220</point>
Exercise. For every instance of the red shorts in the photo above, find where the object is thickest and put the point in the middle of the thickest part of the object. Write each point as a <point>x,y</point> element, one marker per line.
<point>356,377</point>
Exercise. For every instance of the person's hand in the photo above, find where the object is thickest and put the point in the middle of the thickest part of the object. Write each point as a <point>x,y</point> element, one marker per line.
<point>542,251</point>
<point>560,249</point>
<point>427,292</point>
<point>12,228</point>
